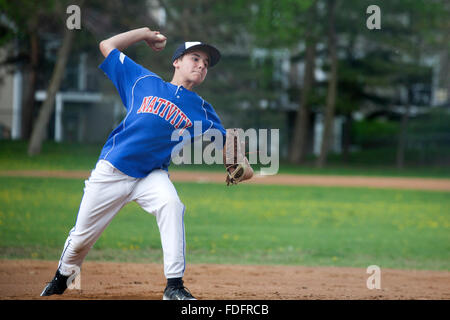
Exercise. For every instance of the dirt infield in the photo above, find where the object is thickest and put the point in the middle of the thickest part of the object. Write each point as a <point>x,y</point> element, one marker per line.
<point>279,179</point>
<point>25,279</point>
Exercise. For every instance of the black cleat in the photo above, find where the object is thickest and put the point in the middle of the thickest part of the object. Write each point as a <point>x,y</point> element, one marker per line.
<point>177,293</point>
<point>57,286</point>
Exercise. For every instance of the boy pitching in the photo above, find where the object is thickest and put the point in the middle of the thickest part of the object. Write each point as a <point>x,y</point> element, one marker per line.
<point>133,164</point>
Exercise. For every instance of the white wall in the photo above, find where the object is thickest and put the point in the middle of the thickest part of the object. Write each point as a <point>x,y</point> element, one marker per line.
<point>6,96</point>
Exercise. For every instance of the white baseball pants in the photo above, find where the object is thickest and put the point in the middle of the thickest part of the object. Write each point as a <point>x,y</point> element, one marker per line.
<point>106,191</point>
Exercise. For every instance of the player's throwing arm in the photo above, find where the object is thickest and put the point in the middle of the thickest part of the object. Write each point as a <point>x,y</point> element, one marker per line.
<point>154,39</point>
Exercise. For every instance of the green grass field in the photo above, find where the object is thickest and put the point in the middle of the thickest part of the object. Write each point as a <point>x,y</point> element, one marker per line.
<point>73,156</point>
<point>247,224</point>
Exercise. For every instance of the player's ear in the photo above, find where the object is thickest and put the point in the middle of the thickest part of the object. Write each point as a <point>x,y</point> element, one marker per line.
<point>176,63</point>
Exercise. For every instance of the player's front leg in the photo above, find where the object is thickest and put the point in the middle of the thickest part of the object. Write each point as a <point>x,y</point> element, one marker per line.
<point>157,195</point>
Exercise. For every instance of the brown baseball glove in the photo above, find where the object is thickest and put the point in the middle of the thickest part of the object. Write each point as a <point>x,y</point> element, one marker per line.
<point>234,159</point>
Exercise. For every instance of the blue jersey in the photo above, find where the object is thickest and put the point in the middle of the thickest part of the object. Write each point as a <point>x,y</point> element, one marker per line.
<point>155,108</point>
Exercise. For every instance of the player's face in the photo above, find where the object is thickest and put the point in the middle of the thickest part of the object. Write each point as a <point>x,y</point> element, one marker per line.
<point>193,66</point>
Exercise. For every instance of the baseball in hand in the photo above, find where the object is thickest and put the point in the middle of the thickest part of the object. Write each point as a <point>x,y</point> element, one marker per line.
<point>160,44</point>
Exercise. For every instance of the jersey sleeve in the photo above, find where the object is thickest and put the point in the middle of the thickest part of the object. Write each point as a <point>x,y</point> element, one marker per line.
<point>123,72</point>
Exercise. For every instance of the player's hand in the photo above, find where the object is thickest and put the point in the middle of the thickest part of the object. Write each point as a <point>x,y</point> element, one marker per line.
<point>156,40</point>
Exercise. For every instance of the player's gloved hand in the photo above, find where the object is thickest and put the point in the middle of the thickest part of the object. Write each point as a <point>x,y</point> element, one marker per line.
<point>234,159</point>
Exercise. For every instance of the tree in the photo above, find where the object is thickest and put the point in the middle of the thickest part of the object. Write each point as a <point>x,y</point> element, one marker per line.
<point>411,30</point>
<point>332,84</point>
<point>23,28</point>
<point>298,148</point>
<point>374,63</point>
<point>28,106</point>
<point>423,31</point>
<point>39,131</point>
<point>32,21</point>
<point>290,24</point>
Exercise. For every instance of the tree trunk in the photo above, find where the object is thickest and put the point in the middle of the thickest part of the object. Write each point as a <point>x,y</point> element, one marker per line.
<point>299,141</point>
<point>346,140</point>
<point>29,102</point>
<point>401,146</point>
<point>332,83</point>
<point>47,107</point>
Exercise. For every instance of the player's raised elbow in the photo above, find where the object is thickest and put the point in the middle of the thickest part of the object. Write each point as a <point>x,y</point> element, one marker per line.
<point>105,47</point>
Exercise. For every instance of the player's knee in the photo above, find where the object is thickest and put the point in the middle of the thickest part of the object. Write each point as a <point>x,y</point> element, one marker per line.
<point>174,204</point>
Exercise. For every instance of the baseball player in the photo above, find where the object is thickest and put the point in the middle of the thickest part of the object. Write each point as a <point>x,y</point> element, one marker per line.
<point>133,164</point>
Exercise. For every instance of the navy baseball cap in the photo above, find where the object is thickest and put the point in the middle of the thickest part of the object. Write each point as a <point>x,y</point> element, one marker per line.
<point>214,54</point>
